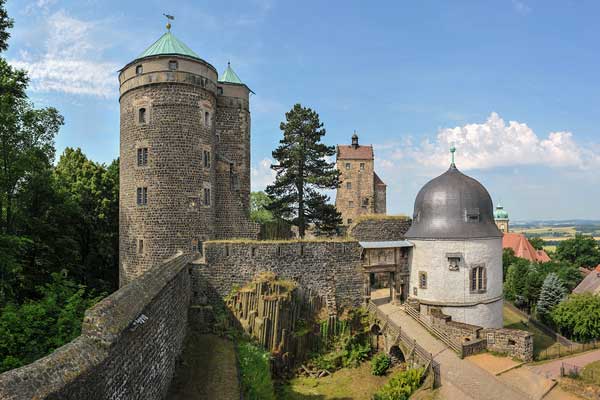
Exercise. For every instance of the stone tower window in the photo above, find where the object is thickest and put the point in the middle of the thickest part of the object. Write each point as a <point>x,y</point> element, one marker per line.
<point>142,157</point>
<point>207,119</point>
<point>349,221</point>
<point>348,185</point>
<point>142,115</point>
<point>362,166</point>
<point>348,165</point>
<point>139,70</point>
<point>142,196</point>
<point>206,159</point>
<point>140,246</point>
<point>220,90</point>
<point>478,279</point>
<point>173,65</point>
<point>350,203</point>
<point>422,280</point>
<point>365,202</point>
<point>207,196</point>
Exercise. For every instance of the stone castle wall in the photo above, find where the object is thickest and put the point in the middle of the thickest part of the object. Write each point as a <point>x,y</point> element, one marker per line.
<point>127,348</point>
<point>512,342</point>
<point>330,268</point>
<point>380,228</point>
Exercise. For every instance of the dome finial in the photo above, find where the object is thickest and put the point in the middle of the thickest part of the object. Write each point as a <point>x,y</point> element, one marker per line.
<point>169,18</point>
<point>452,151</point>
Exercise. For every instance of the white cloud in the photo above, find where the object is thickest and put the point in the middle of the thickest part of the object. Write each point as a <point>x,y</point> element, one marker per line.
<point>496,143</point>
<point>262,174</point>
<point>39,5</point>
<point>521,7</point>
<point>70,62</point>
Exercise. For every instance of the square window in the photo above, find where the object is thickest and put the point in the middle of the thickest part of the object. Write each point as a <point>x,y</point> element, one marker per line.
<point>348,185</point>
<point>172,65</point>
<point>362,166</point>
<point>365,202</point>
<point>453,263</point>
<point>348,165</point>
<point>350,203</point>
<point>139,70</point>
<point>349,221</point>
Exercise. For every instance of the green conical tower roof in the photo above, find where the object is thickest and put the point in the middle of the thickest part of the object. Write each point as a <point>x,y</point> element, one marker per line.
<point>168,44</point>
<point>230,76</point>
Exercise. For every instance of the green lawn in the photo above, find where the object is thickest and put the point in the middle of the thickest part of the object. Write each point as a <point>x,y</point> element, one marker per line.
<point>591,373</point>
<point>345,384</point>
<point>541,341</point>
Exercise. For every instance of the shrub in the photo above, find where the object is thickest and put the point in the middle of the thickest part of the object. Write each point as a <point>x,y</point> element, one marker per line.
<point>401,385</point>
<point>380,364</point>
<point>255,370</point>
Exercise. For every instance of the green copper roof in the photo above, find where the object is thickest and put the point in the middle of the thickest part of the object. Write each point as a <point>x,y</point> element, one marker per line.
<point>500,213</point>
<point>168,44</point>
<point>230,76</point>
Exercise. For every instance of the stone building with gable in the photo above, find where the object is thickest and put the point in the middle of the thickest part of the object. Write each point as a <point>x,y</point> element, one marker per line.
<point>361,191</point>
<point>185,156</point>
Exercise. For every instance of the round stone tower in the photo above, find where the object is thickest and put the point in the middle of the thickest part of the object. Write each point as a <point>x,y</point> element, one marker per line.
<point>456,263</point>
<point>168,102</point>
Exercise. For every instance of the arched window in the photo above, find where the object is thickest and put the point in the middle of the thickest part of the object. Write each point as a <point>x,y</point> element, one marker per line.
<point>172,65</point>
<point>139,70</point>
<point>142,116</point>
<point>478,279</point>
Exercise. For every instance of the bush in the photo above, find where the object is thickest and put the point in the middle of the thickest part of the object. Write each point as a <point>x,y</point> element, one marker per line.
<point>401,385</point>
<point>255,370</point>
<point>578,317</point>
<point>380,364</point>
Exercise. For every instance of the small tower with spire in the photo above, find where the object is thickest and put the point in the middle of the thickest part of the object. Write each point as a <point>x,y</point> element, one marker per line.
<point>501,218</point>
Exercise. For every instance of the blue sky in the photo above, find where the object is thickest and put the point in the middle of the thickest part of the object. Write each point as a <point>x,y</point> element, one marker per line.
<point>513,84</point>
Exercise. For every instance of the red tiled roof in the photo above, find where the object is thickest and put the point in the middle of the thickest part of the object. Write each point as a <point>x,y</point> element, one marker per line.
<point>522,248</point>
<point>347,152</point>
<point>378,180</point>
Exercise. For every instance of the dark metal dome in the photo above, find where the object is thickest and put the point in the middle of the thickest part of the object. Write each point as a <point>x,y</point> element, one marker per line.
<point>453,206</point>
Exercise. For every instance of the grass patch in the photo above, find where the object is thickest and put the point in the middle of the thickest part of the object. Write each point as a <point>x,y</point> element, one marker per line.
<point>541,341</point>
<point>591,373</point>
<point>255,370</point>
<point>348,383</point>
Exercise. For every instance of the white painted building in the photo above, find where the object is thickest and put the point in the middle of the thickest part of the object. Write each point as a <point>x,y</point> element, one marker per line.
<point>456,261</point>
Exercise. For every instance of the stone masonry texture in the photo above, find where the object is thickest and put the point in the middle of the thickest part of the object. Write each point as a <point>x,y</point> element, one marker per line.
<point>332,269</point>
<point>197,174</point>
<point>127,349</point>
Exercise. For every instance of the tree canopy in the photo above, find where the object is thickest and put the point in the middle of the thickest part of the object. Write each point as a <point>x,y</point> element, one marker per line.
<point>578,317</point>
<point>303,170</point>
<point>582,251</point>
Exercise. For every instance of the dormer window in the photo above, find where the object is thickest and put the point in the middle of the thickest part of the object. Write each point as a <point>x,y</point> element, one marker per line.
<point>173,65</point>
<point>139,70</point>
<point>472,215</point>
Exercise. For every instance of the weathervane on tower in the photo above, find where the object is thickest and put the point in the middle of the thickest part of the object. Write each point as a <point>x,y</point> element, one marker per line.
<point>169,18</point>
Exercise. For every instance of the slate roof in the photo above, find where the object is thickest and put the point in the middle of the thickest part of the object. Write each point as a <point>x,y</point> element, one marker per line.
<point>590,284</point>
<point>378,180</point>
<point>522,248</point>
<point>348,152</point>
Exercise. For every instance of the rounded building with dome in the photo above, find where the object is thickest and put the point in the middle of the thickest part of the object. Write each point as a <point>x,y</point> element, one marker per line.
<point>456,262</point>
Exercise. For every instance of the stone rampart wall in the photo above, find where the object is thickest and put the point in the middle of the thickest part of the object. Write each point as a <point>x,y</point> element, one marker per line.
<point>513,342</point>
<point>330,268</point>
<point>380,229</point>
<point>127,349</point>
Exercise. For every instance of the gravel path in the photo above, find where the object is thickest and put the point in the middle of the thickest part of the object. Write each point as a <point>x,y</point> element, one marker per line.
<point>552,369</point>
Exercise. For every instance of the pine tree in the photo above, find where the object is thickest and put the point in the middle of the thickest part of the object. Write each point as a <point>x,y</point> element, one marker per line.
<point>551,294</point>
<point>302,170</point>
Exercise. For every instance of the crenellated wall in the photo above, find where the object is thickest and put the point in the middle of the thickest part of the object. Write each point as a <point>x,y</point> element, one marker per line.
<point>330,268</point>
<point>127,349</point>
